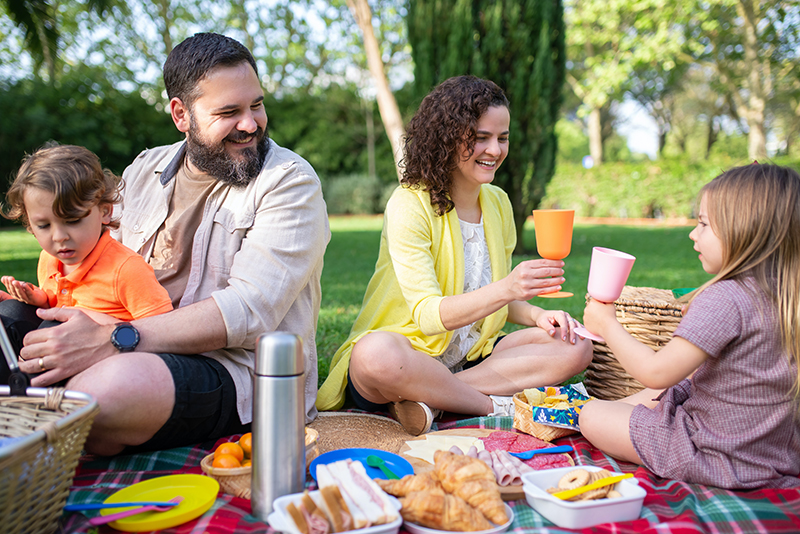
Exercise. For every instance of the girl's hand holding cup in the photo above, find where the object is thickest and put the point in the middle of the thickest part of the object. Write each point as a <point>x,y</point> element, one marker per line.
<point>597,315</point>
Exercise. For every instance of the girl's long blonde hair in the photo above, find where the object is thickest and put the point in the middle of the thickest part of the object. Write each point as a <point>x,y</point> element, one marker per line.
<point>755,212</point>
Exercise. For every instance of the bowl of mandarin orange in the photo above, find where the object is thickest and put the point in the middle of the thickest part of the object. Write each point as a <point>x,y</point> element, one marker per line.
<point>230,463</point>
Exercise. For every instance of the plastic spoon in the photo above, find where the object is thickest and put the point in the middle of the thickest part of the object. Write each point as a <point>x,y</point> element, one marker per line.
<point>103,506</point>
<point>527,455</point>
<point>377,461</point>
<point>568,494</point>
<point>103,519</point>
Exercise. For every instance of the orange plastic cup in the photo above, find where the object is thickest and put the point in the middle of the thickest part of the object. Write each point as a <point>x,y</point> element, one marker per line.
<point>553,232</point>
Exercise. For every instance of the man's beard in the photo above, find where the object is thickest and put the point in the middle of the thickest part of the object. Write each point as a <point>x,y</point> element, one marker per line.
<point>215,160</point>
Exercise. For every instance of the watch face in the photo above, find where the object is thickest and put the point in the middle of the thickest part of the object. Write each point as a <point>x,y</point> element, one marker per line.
<point>126,336</point>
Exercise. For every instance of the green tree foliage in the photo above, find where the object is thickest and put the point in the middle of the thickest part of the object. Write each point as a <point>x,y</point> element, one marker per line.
<point>520,46</point>
<point>328,129</point>
<point>751,46</point>
<point>607,41</point>
<point>39,21</point>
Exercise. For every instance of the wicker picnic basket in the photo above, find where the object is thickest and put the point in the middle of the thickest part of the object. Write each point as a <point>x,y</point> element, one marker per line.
<point>651,316</point>
<point>36,470</point>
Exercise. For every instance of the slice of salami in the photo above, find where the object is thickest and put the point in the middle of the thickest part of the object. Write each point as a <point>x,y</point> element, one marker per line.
<point>525,442</point>
<point>548,461</point>
<point>499,440</point>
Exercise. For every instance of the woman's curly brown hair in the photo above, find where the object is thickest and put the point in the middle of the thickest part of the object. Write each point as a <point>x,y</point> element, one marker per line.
<point>446,120</point>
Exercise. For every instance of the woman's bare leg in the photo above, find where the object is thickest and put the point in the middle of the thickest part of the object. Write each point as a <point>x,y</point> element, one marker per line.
<point>385,368</point>
<point>528,358</point>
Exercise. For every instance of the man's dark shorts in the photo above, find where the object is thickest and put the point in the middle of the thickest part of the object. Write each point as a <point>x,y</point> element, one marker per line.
<point>205,404</point>
<point>361,403</point>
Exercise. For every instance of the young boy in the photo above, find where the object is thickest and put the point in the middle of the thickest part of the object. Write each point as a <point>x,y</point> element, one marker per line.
<point>65,198</point>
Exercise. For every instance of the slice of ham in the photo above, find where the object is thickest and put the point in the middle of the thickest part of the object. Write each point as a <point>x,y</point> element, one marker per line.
<point>505,473</point>
<point>316,524</point>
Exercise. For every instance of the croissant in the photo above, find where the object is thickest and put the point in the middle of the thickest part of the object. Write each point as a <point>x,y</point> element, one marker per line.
<point>472,480</point>
<point>442,511</point>
<point>426,481</point>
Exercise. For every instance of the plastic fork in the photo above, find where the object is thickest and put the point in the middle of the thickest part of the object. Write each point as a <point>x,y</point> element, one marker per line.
<point>527,455</point>
<point>103,519</point>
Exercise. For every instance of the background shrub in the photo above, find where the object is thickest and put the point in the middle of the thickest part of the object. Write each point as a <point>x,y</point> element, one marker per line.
<point>354,194</point>
<point>666,188</point>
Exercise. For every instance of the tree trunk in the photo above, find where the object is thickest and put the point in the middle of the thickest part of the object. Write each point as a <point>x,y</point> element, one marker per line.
<point>164,11</point>
<point>596,136</point>
<point>711,138</point>
<point>370,118</point>
<point>758,82</point>
<point>387,105</point>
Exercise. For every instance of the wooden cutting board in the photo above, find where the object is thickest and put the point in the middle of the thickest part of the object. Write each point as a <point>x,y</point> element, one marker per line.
<point>509,493</point>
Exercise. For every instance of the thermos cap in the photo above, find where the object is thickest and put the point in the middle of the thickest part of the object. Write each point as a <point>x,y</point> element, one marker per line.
<point>279,354</point>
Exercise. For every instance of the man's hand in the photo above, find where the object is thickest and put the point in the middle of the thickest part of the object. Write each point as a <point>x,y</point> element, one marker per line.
<point>25,292</point>
<point>67,349</point>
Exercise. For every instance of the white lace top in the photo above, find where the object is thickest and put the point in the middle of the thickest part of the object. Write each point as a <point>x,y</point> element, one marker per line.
<point>477,273</point>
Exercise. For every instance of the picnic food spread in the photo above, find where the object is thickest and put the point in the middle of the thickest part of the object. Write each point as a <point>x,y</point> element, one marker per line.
<point>460,494</point>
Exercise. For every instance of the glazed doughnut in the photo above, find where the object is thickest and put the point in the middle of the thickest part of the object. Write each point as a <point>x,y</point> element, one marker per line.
<point>574,479</point>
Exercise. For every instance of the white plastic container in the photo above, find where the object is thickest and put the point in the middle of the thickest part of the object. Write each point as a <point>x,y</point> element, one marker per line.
<point>279,519</point>
<point>581,514</point>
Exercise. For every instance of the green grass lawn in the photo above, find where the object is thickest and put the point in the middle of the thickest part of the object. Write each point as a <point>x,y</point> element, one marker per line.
<point>664,259</point>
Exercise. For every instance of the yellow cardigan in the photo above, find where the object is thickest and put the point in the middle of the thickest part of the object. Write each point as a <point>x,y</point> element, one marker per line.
<point>421,260</point>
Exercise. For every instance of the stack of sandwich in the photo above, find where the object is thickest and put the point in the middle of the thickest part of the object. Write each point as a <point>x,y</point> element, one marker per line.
<point>347,500</point>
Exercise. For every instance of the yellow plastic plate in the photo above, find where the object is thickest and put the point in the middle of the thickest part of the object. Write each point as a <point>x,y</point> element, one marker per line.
<point>199,493</point>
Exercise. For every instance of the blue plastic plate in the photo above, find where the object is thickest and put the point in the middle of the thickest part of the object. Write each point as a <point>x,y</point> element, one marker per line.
<point>398,465</point>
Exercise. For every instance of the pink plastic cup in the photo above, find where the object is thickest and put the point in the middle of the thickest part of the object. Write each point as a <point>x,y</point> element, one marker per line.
<point>608,273</point>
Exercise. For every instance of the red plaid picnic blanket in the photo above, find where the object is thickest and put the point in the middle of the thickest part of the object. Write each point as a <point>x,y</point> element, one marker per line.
<point>671,507</point>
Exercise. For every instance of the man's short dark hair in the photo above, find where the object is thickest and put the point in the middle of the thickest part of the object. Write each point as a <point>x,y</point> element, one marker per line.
<point>195,57</point>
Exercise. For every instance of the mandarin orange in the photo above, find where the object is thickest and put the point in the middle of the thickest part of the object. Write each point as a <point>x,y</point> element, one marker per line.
<point>246,443</point>
<point>225,461</point>
<point>230,448</point>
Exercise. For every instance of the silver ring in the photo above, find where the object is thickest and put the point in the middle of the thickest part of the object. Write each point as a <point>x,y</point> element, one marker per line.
<point>41,364</point>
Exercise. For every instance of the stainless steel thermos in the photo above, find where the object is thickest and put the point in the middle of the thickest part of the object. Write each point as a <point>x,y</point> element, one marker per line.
<point>279,464</point>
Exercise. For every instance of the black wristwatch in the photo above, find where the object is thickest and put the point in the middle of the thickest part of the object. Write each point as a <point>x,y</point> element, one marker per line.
<point>125,337</point>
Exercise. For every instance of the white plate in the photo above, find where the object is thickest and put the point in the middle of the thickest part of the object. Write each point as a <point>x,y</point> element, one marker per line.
<point>417,529</point>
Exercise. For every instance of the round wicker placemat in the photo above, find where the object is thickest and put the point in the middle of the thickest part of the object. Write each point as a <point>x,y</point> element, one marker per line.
<point>344,430</point>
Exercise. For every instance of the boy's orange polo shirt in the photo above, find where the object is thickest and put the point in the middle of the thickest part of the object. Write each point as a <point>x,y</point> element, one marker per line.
<point>112,279</point>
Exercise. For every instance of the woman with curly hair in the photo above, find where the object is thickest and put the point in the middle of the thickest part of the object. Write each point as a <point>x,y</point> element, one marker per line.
<point>428,336</point>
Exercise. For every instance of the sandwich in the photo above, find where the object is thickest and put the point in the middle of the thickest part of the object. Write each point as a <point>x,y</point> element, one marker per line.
<point>345,486</point>
<point>307,516</point>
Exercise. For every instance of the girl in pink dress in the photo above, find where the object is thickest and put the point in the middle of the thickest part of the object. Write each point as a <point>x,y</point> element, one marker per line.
<point>722,406</point>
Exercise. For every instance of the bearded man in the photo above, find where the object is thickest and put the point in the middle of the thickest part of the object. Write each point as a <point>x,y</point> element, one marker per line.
<point>235,228</point>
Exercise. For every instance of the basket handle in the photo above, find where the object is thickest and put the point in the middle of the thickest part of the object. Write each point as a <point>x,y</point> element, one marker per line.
<point>19,381</point>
